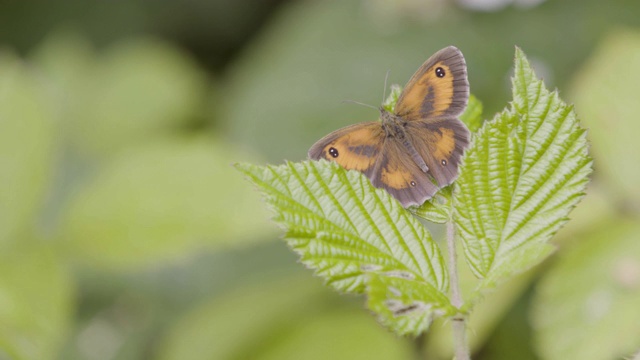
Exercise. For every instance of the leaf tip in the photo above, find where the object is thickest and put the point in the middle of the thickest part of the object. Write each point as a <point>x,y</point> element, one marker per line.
<point>244,168</point>
<point>521,62</point>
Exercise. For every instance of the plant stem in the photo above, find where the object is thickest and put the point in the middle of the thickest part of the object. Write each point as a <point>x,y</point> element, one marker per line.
<point>458,324</point>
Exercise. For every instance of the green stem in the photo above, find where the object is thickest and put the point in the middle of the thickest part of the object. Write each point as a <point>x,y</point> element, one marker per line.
<point>459,321</point>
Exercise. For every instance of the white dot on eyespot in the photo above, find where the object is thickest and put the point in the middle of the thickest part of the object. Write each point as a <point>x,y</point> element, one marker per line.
<point>444,162</point>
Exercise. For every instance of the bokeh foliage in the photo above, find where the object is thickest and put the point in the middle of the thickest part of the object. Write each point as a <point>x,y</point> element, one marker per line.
<point>126,233</point>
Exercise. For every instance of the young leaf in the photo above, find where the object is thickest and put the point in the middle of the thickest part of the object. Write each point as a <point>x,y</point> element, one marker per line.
<point>349,232</point>
<point>389,103</point>
<point>437,209</point>
<point>525,170</point>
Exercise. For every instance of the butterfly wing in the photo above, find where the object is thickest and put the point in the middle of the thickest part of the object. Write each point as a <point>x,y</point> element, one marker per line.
<point>365,147</point>
<point>396,172</point>
<point>441,144</point>
<point>432,99</point>
<point>354,147</point>
<point>439,88</point>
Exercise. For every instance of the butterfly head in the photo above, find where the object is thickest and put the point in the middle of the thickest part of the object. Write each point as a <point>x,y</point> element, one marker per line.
<point>386,117</point>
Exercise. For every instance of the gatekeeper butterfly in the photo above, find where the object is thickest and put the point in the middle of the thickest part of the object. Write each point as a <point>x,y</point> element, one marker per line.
<point>414,150</point>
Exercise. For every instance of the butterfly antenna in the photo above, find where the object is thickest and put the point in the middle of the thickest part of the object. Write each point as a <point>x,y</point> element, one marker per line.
<point>384,91</point>
<point>359,103</point>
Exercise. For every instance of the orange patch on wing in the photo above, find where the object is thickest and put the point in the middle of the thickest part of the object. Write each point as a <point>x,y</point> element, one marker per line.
<point>357,149</point>
<point>443,90</point>
<point>441,95</point>
<point>444,144</point>
<point>396,178</point>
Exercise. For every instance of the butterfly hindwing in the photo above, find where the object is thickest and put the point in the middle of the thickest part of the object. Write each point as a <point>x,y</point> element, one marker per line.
<point>441,145</point>
<point>439,88</point>
<point>354,147</point>
<point>397,173</point>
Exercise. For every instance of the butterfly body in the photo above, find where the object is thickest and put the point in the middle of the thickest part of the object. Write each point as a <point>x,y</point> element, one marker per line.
<point>415,149</point>
<point>395,128</point>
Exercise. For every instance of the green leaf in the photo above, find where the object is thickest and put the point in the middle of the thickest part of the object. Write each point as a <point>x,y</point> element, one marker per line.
<point>437,209</point>
<point>610,108</point>
<point>136,90</point>
<point>290,318</point>
<point>224,327</point>
<point>389,103</point>
<point>472,116</point>
<point>345,229</point>
<point>524,172</point>
<point>27,147</point>
<point>351,335</point>
<point>405,305</point>
<point>161,202</point>
<point>36,303</point>
<point>586,306</point>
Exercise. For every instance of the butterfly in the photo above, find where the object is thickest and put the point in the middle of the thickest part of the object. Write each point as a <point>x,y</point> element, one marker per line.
<point>415,150</point>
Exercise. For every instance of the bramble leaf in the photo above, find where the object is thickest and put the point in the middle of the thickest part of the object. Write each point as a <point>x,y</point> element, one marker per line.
<point>389,103</point>
<point>358,238</point>
<point>523,173</point>
<point>437,209</point>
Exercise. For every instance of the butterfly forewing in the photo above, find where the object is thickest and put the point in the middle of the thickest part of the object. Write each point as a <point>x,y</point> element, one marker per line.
<point>354,147</point>
<point>438,89</point>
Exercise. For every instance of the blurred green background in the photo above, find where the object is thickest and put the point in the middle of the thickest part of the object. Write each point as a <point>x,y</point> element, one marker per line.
<point>126,234</point>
